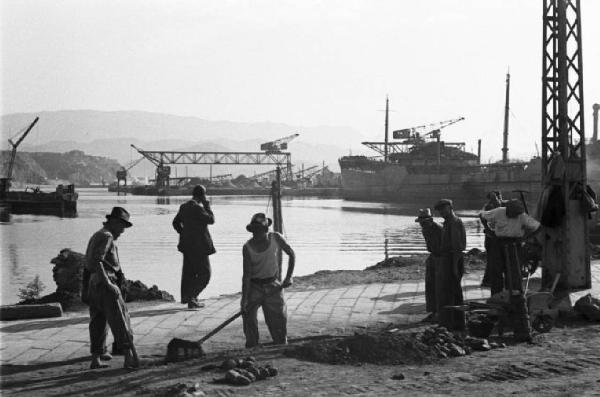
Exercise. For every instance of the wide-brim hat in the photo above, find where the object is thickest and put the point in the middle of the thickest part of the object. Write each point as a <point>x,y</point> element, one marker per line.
<point>259,220</point>
<point>121,214</point>
<point>442,203</point>
<point>424,214</point>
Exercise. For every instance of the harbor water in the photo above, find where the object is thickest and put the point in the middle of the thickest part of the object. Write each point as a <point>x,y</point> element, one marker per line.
<point>327,234</point>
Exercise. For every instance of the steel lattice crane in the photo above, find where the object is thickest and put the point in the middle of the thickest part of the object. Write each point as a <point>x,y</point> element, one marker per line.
<point>122,173</point>
<point>412,136</point>
<point>421,131</point>
<point>5,182</point>
<point>278,145</point>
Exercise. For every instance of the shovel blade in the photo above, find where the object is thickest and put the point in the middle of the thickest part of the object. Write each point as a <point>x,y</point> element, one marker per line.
<point>181,349</point>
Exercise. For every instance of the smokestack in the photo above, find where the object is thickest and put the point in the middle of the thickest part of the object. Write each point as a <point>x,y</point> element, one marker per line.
<point>506,110</point>
<point>596,107</point>
<point>479,151</point>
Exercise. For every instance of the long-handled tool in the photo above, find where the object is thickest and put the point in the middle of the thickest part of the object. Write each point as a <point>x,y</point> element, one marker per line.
<point>181,349</point>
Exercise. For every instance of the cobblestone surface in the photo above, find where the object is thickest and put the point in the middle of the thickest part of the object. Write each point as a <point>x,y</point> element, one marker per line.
<point>310,312</point>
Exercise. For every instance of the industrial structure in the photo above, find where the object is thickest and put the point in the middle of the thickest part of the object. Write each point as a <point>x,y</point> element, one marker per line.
<point>122,175</point>
<point>566,249</point>
<point>272,154</point>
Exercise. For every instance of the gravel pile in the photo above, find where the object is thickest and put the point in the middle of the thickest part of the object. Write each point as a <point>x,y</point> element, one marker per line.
<point>392,347</point>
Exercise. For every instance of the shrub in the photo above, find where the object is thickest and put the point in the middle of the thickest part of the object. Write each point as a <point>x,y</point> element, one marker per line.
<point>32,290</point>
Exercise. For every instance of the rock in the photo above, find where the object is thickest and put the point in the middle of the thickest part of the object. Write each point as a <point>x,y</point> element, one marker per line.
<point>138,291</point>
<point>229,364</point>
<point>398,377</point>
<point>456,351</point>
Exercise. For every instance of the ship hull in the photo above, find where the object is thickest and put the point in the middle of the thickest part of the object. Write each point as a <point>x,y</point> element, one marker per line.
<point>41,203</point>
<point>466,186</point>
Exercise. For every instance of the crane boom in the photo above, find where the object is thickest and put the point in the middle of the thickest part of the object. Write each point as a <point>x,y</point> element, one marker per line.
<point>425,129</point>
<point>13,154</point>
<point>278,145</point>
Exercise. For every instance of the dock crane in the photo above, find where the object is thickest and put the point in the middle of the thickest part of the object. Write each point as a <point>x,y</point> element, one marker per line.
<point>412,136</point>
<point>417,133</point>
<point>5,182</point>
<point>122,173</point>
<point>278,145</point>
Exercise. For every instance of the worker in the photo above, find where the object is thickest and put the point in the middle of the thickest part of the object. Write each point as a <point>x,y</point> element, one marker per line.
<point>450,267</point>
<point>261,285</point>
<point>492,276</point>
<point>195,243</point>
<point>512,225</point>
<point>432,232</point>
<point>101,291</point>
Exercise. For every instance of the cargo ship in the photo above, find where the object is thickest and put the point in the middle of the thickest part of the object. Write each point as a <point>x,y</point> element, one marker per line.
<point>418,168</point>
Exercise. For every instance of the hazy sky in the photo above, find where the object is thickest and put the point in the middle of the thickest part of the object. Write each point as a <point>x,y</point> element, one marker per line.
<point>299,62</point>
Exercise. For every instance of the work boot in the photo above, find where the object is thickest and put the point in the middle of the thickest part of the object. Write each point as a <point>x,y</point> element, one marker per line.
<point>194,304</point>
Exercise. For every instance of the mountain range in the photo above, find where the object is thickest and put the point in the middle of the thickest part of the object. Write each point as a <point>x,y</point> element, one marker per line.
<point>110,134</point>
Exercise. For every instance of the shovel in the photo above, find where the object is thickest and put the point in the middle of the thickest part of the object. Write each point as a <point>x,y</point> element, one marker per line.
<point>181,349</point>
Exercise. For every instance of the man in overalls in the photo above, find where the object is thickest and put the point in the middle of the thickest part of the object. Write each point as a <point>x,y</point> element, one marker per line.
<point>101,291</point>
<point>261,281</point>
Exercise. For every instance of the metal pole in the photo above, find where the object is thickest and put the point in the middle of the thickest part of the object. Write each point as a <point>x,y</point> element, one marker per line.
<point>387,110</point>
<point>506,110</point>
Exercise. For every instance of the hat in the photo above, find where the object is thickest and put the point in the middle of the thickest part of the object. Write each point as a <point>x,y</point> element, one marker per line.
<point>259,220</point>
<point>514,208</point>
<point>199,191</point>
<point>442,203</point>
<point>121,214</point>
<point>424,214</point>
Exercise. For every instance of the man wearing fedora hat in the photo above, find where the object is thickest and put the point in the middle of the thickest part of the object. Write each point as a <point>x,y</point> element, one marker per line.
<point>195,243</point>
<point>101,291</point>
<point>450,268</point>
<point>432,232</point>
<point>261,285</point>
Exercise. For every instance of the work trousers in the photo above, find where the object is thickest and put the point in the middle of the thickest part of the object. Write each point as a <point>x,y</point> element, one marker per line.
<point>270,297</point>
<point>107,310</point>
<point>505,271</point>
<point>510,254</point>
<point>430,301</point>
<point>448,290</point>
<point>195,275</point>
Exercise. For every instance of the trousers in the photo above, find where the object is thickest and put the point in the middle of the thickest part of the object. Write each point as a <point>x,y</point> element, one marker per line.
<point>270,297</point>
<point>195,275</point>
<point>107,310</point>
<point>430,299</point>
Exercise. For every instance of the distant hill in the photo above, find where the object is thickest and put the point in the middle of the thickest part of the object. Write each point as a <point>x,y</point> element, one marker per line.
<point>110,134</point>
<point>73,166</point>
<point>90,125</point>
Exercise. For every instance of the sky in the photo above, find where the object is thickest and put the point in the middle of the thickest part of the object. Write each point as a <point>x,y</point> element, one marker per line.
<point>303,62</point>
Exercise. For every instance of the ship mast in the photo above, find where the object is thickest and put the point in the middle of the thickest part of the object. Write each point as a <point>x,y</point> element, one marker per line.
<point>506,110</point>
<point>387,111</point>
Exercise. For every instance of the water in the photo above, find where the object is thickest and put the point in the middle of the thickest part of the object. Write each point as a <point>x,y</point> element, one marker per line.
<point>325,233</point>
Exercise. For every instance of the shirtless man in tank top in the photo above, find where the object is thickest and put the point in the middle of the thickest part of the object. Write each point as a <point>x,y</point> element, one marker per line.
<point>261,285</point>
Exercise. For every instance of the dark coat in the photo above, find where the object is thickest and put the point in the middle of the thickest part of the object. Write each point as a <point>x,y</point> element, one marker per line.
<point>191,222</point>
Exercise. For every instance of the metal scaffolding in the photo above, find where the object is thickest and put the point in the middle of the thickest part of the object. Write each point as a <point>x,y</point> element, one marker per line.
<point>566,250</point>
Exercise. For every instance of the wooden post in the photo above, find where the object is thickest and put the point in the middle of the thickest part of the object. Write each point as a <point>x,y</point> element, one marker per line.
<point>277,216</point>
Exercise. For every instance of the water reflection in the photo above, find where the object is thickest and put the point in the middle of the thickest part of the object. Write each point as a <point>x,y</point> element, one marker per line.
<point>327,234</point>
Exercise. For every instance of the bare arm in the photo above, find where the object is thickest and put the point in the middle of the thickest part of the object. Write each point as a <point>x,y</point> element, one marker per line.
<point>245,279</point>
<point>291,259</point>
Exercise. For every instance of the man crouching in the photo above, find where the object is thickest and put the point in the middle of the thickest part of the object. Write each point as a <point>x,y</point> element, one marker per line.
<point>260,281</point>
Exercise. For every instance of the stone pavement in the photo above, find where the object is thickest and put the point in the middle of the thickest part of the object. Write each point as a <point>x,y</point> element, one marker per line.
<point>310,313</point>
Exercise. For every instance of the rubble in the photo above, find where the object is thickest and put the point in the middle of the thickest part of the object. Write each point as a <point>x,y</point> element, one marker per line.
<point>68,272</point>
<point>392,347</point>
<point>242,372</point>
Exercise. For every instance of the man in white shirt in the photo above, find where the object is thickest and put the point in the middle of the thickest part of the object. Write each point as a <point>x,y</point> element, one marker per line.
<point>511,225</point>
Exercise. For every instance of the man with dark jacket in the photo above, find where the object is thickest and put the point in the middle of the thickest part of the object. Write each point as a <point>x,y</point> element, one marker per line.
<point>101,291</point>
<point>432,232</point>
<point>451,266</point>
<point>191,222</point>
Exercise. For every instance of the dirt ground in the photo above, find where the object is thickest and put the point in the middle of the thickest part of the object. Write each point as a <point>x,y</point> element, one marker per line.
<point>565,362</point>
